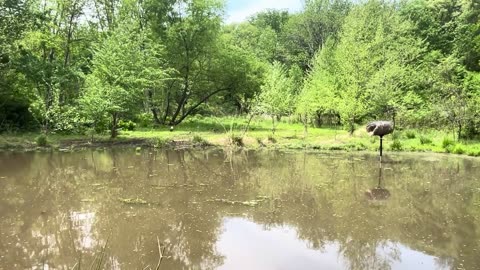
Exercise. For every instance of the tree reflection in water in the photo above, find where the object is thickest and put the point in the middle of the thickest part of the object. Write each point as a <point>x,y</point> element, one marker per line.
<point>59,209</point>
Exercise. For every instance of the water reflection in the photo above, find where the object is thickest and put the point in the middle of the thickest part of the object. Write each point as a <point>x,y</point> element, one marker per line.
<point>238,210</point>
<point>247,245</point>
<point>378,193</point>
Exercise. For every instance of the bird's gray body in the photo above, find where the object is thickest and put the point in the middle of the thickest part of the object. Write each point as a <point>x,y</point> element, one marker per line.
<point>380,128</point>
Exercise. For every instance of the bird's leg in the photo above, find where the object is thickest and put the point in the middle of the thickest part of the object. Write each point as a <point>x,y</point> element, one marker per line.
<point>381,147</point>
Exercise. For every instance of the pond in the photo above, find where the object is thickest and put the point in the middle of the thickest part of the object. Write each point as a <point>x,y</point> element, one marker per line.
<point>221,209</point>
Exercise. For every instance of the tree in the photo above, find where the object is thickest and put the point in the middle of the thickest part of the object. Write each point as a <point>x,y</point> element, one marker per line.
<point>306,32</point>
<point>191,36</point>
<point>276,97</point>
<point>14,22</point>
<point>123,65</point>
<point>317,95</point>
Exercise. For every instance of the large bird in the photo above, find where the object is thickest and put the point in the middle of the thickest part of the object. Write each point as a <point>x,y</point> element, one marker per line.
<point>380,128</point>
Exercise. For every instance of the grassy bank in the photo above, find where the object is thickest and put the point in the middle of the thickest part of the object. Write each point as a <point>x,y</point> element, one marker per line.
<point>232,131</point>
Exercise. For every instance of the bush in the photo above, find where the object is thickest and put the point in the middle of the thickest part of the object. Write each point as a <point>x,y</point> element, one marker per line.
<point>410,134</point>
<point>459,150</point>
<point>271,139</point>
<point>447,143</point>
<point>144,119</point>
<point>236,140</point>
<point>197,139</point>
<point>160,142</point>
<point>126,125</point>
<point>425,140</point>
<point>396,136</point>
<point>396,145</point>
<point>473,153</point>
<point>41,140</point>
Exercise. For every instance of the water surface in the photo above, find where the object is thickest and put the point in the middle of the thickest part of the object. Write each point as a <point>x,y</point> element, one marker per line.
<point>215,209</point>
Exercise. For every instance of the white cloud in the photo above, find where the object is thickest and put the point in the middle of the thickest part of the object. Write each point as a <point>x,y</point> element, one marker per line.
<point>251,7</point>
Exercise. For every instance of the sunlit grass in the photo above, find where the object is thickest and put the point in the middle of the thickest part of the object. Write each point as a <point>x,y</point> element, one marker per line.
<point>219,131</point>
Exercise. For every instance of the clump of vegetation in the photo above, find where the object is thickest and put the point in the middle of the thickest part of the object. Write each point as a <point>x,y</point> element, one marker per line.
<point>42,140</point>
<point>159,142</point>
<point>127,125</point>
<point>198,140</point>
<point>458,150</point>
<point>396,145</point>
<point>144,119</point>
<point>425,140</point>
<point>410,134</point>
<point>396,135</point>
<point>447,143</point>
<point>236,140</point>
<point>271,138</point>
<point>360,146</point>
<point>473,153</point>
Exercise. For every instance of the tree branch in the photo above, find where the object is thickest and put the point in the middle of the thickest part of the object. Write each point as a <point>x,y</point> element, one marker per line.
<point>200,103</point>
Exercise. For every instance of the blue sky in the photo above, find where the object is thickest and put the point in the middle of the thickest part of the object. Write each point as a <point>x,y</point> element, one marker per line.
<point>239,10</point>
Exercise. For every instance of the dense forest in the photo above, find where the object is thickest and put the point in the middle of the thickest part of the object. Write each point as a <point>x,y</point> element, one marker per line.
<point>77,66</point>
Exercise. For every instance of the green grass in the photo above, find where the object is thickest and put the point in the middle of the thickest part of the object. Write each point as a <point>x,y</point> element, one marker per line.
<point>231,131</point>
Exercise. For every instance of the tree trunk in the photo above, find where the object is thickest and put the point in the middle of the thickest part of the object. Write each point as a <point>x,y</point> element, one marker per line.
<point>153,109</point>
<point>273,125</point>
<point>459,132</point>
<point>155,116</point>
<point>175,122</point>
<point>305,126</point>
<point>113,132</point>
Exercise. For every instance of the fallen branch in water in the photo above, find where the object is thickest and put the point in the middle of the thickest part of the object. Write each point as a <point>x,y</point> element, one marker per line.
<point>160,254</point>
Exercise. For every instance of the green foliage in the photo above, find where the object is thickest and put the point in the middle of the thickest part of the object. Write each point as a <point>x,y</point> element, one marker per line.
<point>144,119</point>
<point>276,98</point>
<point>425,140</point>
<point>235,139</point>
<point>124,64</point>
<point>160,62</point>
<point>127,125</point>
<point>447,143</point>
<point>199,140</point>
<point>410,134</point>
<point>396,135</point>
<point>458,150</point>
<point>41,140</point>
<point>271,138</point>
<point>396,145</point>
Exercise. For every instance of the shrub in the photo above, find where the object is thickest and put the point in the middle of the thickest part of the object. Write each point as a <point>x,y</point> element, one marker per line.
<point>396,145</point>
<point>144,119</point>
<point>396,136</point>
<point>159,142</point>
<point>410,134</point>
<point>197,139</point>
<point>447,143</point>
<point>459,150</point>
<point>126,125</point>
<point>425,140</point>
<point>236,140</point>
<point>473,153</point>
<point>271,138</point>
<point>41,140</point>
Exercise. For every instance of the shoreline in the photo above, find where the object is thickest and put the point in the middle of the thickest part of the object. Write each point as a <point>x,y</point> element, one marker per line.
<point>70,143</point>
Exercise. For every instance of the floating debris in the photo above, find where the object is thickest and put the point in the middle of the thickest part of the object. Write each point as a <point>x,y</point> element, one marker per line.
<point>244,203</point>
<point>133,201</point>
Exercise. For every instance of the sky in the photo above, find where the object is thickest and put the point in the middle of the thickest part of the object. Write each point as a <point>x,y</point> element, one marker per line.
<point>240,10</point>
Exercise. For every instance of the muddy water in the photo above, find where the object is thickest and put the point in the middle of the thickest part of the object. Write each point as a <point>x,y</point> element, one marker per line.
<point>216,209</point>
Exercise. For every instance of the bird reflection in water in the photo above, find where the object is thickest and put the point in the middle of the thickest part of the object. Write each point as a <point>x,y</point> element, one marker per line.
<point>378,193</point>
